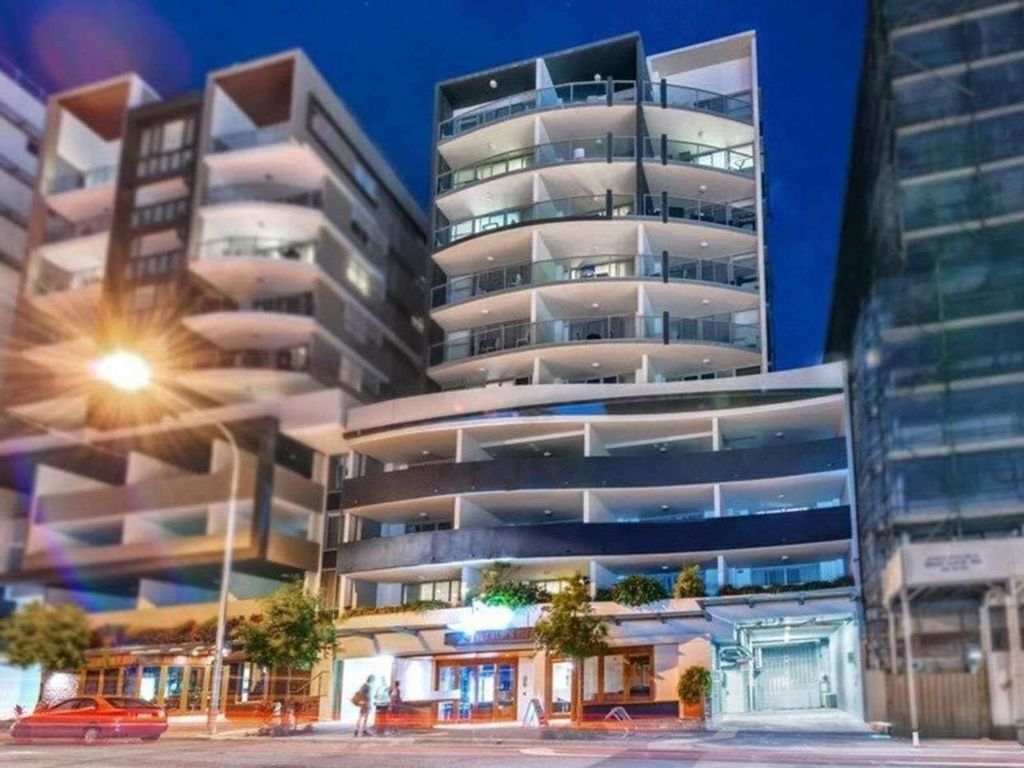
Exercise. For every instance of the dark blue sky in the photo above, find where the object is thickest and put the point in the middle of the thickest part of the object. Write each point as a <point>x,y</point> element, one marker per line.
<point>384,56</point>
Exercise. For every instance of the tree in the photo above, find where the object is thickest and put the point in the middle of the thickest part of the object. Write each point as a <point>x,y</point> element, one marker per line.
<point>638,589</point>
<point>291,631</point>
<point>500,585</point>
<point>54,636</point>
<point>690,582</point>
<point>570,629</point>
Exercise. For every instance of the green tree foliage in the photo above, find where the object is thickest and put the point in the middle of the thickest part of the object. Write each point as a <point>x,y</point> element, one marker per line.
<point>694,685</point>
<point>52,636</point>
<point>292,630</point>
<point>499,585</point>
<point>690,582</point>
<point>570,629</point>
<point>638,589</point>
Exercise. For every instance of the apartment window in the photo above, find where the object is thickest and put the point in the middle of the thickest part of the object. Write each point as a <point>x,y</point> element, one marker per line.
<point>333,533</point>
<point>366,181</point>
<point>449,591</point>
<point>627,675</point>
<point>166,148</point>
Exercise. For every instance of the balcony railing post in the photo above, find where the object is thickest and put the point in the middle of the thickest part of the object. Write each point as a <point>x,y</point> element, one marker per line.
<point>608,143</point>
<point>664,328</point>
<point>664,149</point>
<point>608,203</point>
<point>664,266</point>
<point>664,92</point>
<point>609,90</point>
<point>664,206</point>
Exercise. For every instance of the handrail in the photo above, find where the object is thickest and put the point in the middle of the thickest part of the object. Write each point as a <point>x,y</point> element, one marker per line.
<point>596,148</point>
<point>259,247</point>
<point>265,192</point>
<point>500,337</point>
<point>254,137</point>
<point>737,106</point>
<point>585,206</point>
<point>91,177</point>
<point>590,267</point>
<point>585,93</point>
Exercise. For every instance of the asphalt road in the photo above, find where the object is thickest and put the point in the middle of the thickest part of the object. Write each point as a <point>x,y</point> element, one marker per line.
<point>750,751</point>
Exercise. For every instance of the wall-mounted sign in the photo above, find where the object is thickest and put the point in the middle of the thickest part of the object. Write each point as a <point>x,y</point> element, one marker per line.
<point>516,635</point>
<point>933,564</point>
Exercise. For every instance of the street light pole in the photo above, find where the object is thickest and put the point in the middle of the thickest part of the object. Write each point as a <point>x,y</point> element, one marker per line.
<point>129,372</point>
<point>216,684</point>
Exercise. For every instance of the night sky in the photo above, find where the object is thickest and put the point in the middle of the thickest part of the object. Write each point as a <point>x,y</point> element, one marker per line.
<point>383,58</point>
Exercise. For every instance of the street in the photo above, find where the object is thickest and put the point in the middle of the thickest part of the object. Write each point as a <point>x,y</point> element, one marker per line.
<point>721,748</point>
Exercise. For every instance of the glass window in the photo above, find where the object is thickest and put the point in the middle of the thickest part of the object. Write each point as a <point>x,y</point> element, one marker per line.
<point>92,682</point>
<point>614,676</point>
<point>110,681</point>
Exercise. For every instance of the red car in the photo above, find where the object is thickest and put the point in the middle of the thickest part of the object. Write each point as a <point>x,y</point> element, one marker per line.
<point>91,718</point>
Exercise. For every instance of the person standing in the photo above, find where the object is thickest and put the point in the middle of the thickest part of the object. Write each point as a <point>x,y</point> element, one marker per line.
<point>363,698</point>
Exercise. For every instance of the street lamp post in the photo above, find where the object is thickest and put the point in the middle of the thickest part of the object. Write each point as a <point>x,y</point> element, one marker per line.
<point>129,372</point>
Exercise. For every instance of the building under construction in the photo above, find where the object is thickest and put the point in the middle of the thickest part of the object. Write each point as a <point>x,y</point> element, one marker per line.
<point>929,306</point>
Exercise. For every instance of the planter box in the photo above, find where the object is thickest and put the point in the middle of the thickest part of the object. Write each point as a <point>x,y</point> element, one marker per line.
<point>688,711</point>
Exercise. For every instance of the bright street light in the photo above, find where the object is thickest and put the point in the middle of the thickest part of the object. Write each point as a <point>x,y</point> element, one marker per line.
<point>123,370</point>
<point>130,372</point>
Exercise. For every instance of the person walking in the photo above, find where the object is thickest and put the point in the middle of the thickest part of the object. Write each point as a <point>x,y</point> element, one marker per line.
<point>363,698</point>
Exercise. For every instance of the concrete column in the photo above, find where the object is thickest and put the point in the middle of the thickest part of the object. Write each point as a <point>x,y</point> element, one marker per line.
<point>717,489</point>
<point>1012,603</point>
<point>716,434</point>
<point>595,510</point>
<point>600,577</point>
<point>467,448</point>
<point>723,573</point>
<point>593,443</point>
<point>471,578</point>
<point>470,515</point>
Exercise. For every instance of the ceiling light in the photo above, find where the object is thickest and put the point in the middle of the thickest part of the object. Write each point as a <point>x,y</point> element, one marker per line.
<point>706,361</point>
<point>785,557</point>
<point>595,365</point>
<point>485,311</point>
<point>663,449</point>
<point>547,511</point>
<point>664,567</point>
<point>482,369</point>
<point>595,305</point>
<point>779,433</point>
<point>782,495</point>
<point>493,84</point>
<point>664,506</point>
<point>705,301</point>
<point>597,77</point>
<point>547,454</point>
<point>703,243</point>
<point>425,452</point>
<point>490,258</point>
<point>702,188</point>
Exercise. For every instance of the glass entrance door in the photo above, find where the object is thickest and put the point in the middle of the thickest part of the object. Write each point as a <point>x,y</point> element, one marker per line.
<point>561,689</point>
<point>486,691</point>
<point>194,702</point>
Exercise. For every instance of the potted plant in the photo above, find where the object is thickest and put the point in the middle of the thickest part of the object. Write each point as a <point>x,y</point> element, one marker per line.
<point>693,688</point>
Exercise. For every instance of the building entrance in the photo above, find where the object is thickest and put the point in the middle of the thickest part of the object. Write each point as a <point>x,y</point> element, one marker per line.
<point>486,690</point>
<point>789,677</point>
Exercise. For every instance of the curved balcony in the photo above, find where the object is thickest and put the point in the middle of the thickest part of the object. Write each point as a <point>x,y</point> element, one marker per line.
<point>293,359</point>
<point>258,248</point>
<point>597,149</point>
<point>655,329</point>
<point>257,137</point>
<point>600,267</point>
<point>71,180</point>
<point>665,207</point>
<point>581,94</point>
<point>736,106</point>
<point>264,193</point>
<point>780,529</point>
<point>244,266</point>
<point>446,479</point>
<point>288,320</point>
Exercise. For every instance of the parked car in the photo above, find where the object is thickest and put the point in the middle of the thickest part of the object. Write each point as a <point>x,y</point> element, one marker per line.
<point>92,718</point>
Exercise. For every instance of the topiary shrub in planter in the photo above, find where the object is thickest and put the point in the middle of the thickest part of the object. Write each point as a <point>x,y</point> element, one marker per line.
<point>637,589</point>
<point>693,688</point>
<point>690,582</point>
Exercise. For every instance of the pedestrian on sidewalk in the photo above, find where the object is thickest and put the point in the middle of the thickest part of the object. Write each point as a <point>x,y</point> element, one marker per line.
<point>363,698</point>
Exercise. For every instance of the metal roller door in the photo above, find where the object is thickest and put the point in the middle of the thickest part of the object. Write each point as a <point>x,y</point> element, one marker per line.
<point>789,677</point>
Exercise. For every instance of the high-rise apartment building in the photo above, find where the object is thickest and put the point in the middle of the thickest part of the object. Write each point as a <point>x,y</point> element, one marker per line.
<point>928,304</point>
<point>251,241</point>
<point>21,121</point>
<point>601,307</point>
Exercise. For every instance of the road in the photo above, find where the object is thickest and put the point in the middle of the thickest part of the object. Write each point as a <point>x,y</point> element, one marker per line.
<point>723,749</point>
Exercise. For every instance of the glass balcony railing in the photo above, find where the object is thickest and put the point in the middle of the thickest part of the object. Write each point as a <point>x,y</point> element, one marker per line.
<point>586,93</point>
<point>258,248</point>
<point>292,304</point>
<point>587,206</point>
<point>60,229</point>
<point>93,177</point>
<point>741,216</point>
<point>594,267</point>
<point>504,337</point>
<point>538,156</point>
<point>256,137</point>
<point>265,193</point>
<point>734,160</point>
<point>737,106</point>
<point>52,279</point>
<point>286,359</point>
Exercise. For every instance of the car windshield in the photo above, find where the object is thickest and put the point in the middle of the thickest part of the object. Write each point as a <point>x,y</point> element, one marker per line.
<point>125,702</point>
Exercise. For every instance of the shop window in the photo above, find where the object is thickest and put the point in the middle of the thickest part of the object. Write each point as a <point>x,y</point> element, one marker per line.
<point>110,680</point>
<point>624,676</point>
<point>92,682</point>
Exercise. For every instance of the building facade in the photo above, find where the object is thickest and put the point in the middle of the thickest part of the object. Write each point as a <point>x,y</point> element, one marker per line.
<point>251,242</point>
<point>928,306</point>
<point>601,308</point>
